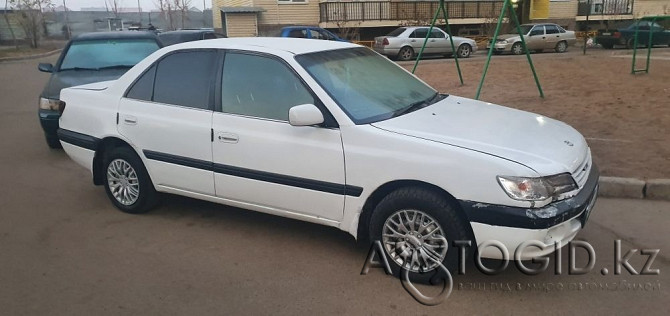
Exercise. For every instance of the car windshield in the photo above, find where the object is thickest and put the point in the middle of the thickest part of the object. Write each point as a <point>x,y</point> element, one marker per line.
<point>367,86</point>
<point>98,54</point>
<point>525,28</point>
<point>397,31</point>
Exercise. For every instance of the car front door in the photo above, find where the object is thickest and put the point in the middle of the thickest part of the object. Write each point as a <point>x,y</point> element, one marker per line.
<point>259,158</point>
<point>536,38</point>
<point>167,116</point>
<point>416,40</point>
<point>439,42</point>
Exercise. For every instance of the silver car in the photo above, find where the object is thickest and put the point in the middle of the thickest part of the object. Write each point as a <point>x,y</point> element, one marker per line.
<point>405,42</point>
<point>538,37</point>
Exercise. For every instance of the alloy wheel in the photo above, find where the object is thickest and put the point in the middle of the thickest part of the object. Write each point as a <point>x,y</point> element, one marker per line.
<point>414,240</point>
<point>123,182</point>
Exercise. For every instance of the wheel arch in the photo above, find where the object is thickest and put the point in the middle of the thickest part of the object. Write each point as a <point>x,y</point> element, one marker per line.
<point>104,146</point>
<point>385,189</point>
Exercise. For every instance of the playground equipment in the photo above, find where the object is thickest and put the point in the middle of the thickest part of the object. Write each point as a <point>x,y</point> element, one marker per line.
<point>651,19</point>
<point>506,6</point>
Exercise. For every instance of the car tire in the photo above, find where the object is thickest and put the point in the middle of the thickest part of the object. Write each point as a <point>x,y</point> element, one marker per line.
<point>464,51</point>
<point>405,53</point>
<point>53,142</point>
<point>517,48</point>
<point>127,181</point>
<point>406,206</point>
<point>561,47</point>
<point>630,43</point>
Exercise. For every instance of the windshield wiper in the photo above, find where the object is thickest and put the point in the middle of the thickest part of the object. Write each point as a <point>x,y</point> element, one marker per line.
<point>116,67</point>
<point>99,68</point>
<point>418,105</point>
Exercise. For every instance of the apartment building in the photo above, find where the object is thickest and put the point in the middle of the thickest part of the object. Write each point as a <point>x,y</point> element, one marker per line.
<point>371,18</point>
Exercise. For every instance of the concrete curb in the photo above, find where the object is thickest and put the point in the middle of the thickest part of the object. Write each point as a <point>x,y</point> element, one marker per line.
<point>657,189</point>
<point>31,56</point>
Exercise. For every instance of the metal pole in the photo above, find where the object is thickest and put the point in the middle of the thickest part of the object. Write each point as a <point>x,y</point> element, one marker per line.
<point>139,11</point>
<point>493,42</point>
<point>637,31</point>
<point>432,24</point>
<point>650,43</point>
<point>588,13</point>
<point>451,39</point>
<point>523,43</point>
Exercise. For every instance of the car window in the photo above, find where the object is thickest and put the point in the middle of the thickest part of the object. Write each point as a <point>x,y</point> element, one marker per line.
<point>326,35</point>
<point>316,34</point>
<point>397,31</point>
<point>560,29</point>
<point>524,29</point>
<point>143,88</point>
<point>183,78</point>
<point>537,30</point>
<point>260,86</point>
<point>551,29</point>
<point>296,33</point>
<point>436,34</point>
<point>209,35</point>
<point>420,33</point>
<point>97,54</point>
<point>367,86</point>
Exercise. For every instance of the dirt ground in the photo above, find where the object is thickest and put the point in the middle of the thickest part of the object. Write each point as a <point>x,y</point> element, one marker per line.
<point>625,118</point>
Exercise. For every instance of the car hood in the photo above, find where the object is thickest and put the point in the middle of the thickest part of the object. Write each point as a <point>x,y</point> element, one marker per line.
<point>65,79</point>
<point>545,145</point>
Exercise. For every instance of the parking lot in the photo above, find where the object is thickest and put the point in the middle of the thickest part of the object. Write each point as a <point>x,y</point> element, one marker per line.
<point>66,250</point>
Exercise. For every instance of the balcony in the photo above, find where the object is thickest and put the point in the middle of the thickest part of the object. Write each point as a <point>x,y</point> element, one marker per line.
<point>345,11</point>
<point>605,7</point>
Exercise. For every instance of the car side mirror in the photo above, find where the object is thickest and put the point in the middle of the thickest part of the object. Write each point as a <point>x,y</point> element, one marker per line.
<point>45,67</point>
<point>305,115</point>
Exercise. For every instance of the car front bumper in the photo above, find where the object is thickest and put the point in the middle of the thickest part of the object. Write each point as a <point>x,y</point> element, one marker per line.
<point>500,47</point>
<point>49,122</point>
<point>512,226</point>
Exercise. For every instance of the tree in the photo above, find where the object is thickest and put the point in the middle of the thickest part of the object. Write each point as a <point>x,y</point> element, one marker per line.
<point>114,5</point>
<point>31,17</point>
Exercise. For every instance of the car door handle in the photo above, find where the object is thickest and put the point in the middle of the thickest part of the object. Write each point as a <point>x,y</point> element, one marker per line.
<point>413,41</point>
<point>228,138</point>
<point>543,37</point>
<point>130,120</point>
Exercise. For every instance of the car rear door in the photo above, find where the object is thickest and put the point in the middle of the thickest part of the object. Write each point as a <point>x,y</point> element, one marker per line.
<point>167,116</point>
<point>260,159</point>
<point>553,36</point>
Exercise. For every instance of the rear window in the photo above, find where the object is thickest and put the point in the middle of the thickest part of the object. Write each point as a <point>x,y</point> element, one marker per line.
<point>97,54</point>
<point>397,31</point>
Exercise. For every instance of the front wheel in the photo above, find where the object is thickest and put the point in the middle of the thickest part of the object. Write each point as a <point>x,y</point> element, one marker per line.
<point>464,51</point>
<point>561,47</point>
<point>127,182</point>
<point>405,53</point>
<point>416,226</point>
<point>517,49</point>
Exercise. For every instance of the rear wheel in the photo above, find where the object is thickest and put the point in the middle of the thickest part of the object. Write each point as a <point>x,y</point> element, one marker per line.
<point>405,53</point>
<point>464,51</point>
<point>517,49</point>
<point>561,47</point>
<point>416,226</point>
<point>127,182</point>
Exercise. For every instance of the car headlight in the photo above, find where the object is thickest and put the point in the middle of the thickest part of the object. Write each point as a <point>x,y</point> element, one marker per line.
<point>537,189</point>
<point>501,41</point>
<point>50,104</point>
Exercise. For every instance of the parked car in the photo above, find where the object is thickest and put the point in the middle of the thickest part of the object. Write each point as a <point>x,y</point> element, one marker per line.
<point>293,127</point>
<point>538,37</point>
<point>181,36</point>
<point>87,58</point>
<point>608,38</point>
<point>404,43</point>
<point>311,32</point>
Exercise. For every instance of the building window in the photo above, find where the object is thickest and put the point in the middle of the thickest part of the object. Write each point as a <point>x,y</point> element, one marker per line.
<point>291,1</point>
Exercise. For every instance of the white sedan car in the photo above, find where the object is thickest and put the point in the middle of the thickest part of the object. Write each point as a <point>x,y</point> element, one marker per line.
<point>404,43</point>
<point>308,130</point>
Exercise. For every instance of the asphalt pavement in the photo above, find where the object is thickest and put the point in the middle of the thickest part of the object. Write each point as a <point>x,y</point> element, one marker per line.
<point>64,249</point>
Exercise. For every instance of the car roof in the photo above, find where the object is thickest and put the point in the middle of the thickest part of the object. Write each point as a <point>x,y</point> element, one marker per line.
<point>115,35</point>
<point>285,44</point>
<point>187,31</point>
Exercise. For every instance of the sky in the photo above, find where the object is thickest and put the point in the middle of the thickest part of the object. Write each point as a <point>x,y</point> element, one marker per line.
<point>145,4</point>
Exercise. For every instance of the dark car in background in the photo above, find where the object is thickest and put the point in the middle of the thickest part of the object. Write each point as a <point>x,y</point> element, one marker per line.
<point>181,36</point>
<point>608,38</point>
<point>88,58</point>
<point>311,32</point>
